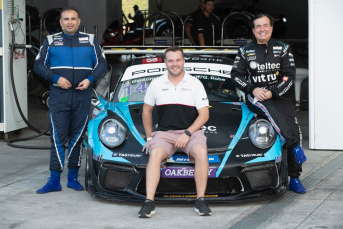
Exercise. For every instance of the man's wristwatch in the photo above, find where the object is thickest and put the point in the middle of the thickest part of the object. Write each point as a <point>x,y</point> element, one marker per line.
<point>188,133</point>
<point>148,139</point>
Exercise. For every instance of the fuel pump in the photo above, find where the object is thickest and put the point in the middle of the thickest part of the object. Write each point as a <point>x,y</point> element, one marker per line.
<point>12,16</point>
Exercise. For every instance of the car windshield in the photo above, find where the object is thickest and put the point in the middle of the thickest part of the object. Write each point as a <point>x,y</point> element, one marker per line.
<point>218,88</point>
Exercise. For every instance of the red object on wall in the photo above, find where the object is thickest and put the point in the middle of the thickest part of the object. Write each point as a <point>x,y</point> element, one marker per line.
<point>159,4</point>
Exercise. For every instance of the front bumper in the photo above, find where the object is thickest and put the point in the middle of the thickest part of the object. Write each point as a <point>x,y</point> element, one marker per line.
<point>117,181</point>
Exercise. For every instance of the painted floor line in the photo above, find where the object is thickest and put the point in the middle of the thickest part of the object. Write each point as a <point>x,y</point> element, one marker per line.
<point>267,211</point>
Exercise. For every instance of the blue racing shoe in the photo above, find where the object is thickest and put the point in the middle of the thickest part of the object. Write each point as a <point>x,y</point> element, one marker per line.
<point>296,186</point>
<point>53,185</point>
<point>72,180</point>
<point>299,155</point>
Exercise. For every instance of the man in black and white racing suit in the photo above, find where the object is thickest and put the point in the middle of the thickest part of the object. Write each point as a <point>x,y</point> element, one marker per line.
<point>264,70</point>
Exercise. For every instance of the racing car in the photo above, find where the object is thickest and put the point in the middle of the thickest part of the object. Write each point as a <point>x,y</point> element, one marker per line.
<point>247,160</point>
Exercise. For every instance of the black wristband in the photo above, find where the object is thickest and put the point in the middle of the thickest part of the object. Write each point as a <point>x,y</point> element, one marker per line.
<point>188,133</point>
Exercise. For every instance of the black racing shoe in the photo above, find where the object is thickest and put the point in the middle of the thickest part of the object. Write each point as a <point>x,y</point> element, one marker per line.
<point>201,207</point>
<point>147,210</point>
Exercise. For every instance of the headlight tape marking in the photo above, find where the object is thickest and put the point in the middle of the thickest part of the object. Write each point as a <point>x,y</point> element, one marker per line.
<point>274,151</point>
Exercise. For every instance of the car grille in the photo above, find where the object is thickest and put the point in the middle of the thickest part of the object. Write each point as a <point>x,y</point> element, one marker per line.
<point>117,180</point>
<point>262,176</point>
<point>187,186</point>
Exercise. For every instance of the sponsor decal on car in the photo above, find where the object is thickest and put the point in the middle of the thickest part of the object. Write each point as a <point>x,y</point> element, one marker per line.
<point>277,159</point>
<point>152,60</point>
<point>207,59</point>
<point>158,69</point>
<point>209,129</point>
<point>187,196</point>
<point>173,172</point>
<point>185,159</point>
<point>126,155</point>
<point>250,155</point>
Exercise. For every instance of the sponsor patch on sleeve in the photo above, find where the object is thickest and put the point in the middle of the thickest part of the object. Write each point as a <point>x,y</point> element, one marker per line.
<point>285,78</point>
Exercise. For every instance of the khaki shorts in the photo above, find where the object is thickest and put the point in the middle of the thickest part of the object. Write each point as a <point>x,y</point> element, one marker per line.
<point>165,139</point>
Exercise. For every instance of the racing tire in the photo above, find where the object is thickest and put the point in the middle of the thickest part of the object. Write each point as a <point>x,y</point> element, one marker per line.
<point>50,20</point>
<point>45,99</point>
<point>87,177</point>
<point>167,32</point>
<point>238,26</point>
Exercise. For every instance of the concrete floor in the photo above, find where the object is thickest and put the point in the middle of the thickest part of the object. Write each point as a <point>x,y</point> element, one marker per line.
<point>22,172</point>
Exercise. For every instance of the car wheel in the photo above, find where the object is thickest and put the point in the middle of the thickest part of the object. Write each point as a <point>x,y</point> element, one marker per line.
<point>166,32</point>
<point>238,26</point>
<point>87,177</point>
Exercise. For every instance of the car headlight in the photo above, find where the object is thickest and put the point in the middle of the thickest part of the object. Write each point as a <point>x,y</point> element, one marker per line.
<point>112,133</point>
<point>262,134</point>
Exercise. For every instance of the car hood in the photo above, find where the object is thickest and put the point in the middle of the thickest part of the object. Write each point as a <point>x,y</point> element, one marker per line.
<point>220,129</point>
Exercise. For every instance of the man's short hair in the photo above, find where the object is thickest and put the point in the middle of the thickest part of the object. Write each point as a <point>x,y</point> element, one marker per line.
<point>69,8</point>
<point>259,15</point>
<point>174,49</point>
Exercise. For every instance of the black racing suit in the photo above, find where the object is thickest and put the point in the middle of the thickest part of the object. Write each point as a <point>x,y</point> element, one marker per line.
<point>208,26</point>
<point>270,67</point>
<point>192,21</point>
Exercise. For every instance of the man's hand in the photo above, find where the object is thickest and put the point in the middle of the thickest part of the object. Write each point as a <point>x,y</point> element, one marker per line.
<point>146,147</point>
<point>83,85</point>
<point>63,83</point>
<point>181,141</point>
<point>259,94</point>
<point>268,94</point>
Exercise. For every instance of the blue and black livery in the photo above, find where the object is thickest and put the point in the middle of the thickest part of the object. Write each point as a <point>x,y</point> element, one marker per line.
<point>243,171</point>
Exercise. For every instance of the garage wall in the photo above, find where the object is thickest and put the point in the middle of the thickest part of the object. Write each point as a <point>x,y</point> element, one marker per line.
<point>325,79</point>
<point>100,13</point>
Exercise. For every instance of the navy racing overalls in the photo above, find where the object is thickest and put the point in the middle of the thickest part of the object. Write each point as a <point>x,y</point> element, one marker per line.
<point>74,57</point>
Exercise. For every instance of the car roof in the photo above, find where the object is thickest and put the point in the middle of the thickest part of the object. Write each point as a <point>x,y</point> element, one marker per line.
<point>152,66</point>
<point>188,58</point>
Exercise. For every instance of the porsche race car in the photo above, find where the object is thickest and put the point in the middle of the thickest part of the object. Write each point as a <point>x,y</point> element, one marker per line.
<point>246,157</point>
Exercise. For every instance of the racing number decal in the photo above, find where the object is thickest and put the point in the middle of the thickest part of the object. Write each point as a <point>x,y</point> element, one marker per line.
<point>128,89</point>
<point>140,88</point>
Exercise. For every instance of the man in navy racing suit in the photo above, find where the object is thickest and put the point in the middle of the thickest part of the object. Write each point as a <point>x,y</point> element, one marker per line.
<point>71,61</point>
<point>269,67</point>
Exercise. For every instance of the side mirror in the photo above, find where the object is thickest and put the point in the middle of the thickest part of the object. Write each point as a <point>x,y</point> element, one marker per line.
<point>95,101</point>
